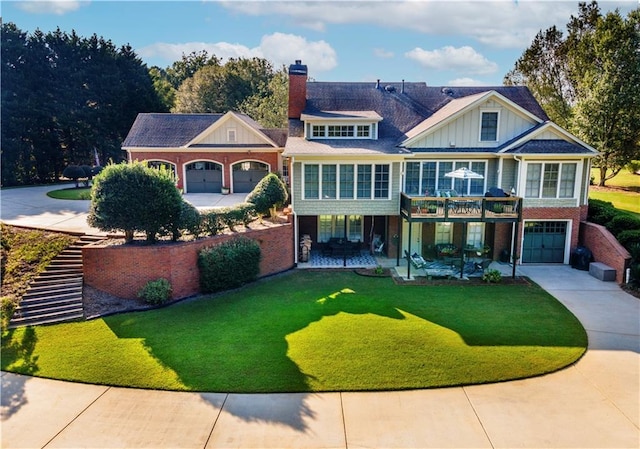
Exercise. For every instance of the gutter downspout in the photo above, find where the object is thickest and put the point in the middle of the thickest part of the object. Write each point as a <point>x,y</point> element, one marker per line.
<point>515,246</point>
<point>296,231</point>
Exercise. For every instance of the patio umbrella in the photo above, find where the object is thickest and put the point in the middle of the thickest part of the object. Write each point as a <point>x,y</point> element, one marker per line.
<point>464,173</point>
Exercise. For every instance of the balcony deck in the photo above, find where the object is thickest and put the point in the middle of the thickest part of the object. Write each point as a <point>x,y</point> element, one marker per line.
<point>461,209</point>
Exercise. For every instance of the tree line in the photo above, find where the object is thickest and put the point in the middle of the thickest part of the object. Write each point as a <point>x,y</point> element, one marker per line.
<point>588,82</point>
<point>71,100</point>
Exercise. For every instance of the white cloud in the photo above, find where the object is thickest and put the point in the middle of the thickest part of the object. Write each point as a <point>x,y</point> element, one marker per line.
<point>463,59</point>
<point>499,23</point>
<point>465,82</point>
<point>382,53</point>
<point>57,7</point>
<point>279,48</point>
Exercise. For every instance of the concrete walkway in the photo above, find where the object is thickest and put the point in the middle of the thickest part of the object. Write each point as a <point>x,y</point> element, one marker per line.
<point>592,404</point>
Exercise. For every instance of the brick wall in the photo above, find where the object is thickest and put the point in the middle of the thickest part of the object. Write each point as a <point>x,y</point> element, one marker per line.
<point>605,248</point>
<point>225,159</point>
<point>122,270</point>
<point>574,214</point>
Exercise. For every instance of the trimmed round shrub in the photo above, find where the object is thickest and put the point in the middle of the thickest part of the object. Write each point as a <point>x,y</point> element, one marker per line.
<point>601,212</point>
<point>156,292</point>
<point>622,222</point>
<point>229,265</point>
<point>269,194</point>
<point>74,172</point>
<point>132,197</point>
<point>629,238</point>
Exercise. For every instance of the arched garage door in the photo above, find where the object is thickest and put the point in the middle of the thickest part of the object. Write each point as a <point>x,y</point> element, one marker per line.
<point>246,175</point>
<point>544,241</point>
<point>204,177</point>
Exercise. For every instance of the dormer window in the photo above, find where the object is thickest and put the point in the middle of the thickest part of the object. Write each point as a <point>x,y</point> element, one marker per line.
<point>341,125</point>
<point>489,126</point>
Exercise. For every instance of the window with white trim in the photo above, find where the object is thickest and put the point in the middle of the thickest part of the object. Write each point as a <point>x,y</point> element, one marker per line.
<point>332,226</point>
<point>425,178</point>
<point>346,181</point>
<point>341,131</point>
<point>489,126</point>
<point>550,180</point>
<point>475,235</point>
<point>444,232</point>
<point>231,135</point>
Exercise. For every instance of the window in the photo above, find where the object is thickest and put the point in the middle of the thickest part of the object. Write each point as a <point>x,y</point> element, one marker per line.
<point>567,181</point>
<point>329,182</point>
<point>364,130</point>
<point>318,131</point>
<point>431,177</point>
<point>550,180</point>
<point>340,131</point>
<point>333,226</point>
<point>381,186</point>
<point>346,181</point>
<point>443,232</point>
<point>489,127</point>
<point>364,181</point>
<point>336,131</point>
<point>312,181</point>
<point>231,135</point>
<point>475,234</point>
<point>343,181</point>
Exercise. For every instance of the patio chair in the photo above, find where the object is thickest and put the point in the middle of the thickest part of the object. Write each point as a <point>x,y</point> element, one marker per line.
<point>482,266</point>
<point>416,259</point>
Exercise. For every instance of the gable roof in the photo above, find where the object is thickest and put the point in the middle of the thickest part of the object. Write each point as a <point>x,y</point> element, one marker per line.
<point>566,143</point>
<point>165,130</point>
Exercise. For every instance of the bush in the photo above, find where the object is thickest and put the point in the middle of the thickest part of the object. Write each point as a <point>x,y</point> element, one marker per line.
<point>247,213</point>
<point>74,172</point>
<point>601,212</point>
<point>211,222</point>
<point>88,174</point>
<point>492,276</point>
<point>629,238</point>
<point>269,194</point>
<point>189,220</point>
<point>133,197</point>
<point>156,292</point>
<point>622,222</point>
<point>229,265</point>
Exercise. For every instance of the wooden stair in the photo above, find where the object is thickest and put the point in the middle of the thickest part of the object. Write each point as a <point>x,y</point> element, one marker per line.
<point>55,295</point>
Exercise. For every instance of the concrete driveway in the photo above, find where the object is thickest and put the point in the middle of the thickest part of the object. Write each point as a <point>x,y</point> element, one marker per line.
<point>591,404</point>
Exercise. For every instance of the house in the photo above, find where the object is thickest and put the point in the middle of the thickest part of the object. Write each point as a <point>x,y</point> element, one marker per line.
<point>375,161</point>
<point>207,151</point>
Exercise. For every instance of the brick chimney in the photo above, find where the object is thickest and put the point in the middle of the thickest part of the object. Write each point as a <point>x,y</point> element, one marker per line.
<point>297,89</point>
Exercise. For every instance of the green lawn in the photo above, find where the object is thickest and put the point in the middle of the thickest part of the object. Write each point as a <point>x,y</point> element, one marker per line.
<point>623,191</point>
<point>71,193</point>
<point>313,331</point>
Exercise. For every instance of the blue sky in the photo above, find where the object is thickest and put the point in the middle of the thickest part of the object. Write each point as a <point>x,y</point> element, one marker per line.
<point>451,42</point>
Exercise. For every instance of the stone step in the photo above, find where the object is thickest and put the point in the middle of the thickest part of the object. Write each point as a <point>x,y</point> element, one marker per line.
<point>51,318</point>
<point>52,293</point>
<point>46,308</point>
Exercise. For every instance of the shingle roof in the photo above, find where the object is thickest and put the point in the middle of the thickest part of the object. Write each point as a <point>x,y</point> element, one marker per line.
<point>159,130</point>
<point>167,130</point>
<point>553,146</point>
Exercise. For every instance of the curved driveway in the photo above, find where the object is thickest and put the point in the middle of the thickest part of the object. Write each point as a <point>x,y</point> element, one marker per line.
<point>591,404</point>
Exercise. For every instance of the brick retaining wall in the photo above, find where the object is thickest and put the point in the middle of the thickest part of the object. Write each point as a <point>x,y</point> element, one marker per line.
<point>605,248</point>
<point>121,270</point>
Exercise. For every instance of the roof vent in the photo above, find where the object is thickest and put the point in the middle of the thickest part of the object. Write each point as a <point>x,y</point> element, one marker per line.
<point>447,91</point>
<point>389,88</point>
<point>378,84</point>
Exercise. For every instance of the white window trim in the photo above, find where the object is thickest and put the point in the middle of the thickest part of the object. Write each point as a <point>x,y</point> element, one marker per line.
<point>469,163</point>
<point>576,181</point>
<point>338,164</point>
<point>308,130</point>
<point>489,110</point>
<point>231,135</point>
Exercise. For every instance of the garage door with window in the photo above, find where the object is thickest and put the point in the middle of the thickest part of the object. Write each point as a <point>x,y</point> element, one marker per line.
<point>544,242</point>
<point>246,175</point>
<point>204,177</point>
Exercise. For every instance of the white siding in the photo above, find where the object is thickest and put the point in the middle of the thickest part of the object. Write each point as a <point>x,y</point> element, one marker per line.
<point>464,132</point>
<point>243,135</point>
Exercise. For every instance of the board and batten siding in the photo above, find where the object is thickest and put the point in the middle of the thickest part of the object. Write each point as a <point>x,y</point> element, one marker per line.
<point>464,132</point>
<point>244,136</point>
<point>389,206</point>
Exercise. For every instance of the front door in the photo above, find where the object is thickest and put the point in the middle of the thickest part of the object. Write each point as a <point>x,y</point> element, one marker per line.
<point>544,242</point>
<point>416,238</point>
